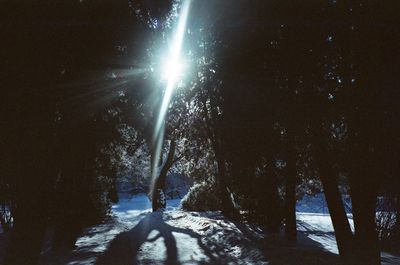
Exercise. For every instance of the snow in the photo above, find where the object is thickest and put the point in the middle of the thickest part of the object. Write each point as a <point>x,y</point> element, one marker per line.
<point>135,235</point>
<point>315,226</point>
<point>318,228</point>
<point>126,209</point>
<point>317,204</point>
<point>172,236</point>
<point>177,186</point>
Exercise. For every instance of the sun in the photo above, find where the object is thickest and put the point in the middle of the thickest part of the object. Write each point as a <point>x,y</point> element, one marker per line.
<point>173,70</point>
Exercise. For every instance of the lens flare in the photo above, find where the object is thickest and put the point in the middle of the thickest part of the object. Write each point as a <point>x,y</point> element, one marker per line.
<point>172,72</point>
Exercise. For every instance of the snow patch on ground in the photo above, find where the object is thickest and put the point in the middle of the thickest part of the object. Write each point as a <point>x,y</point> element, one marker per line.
<point>315,226</point>
<point>317,204</point>
<point>174,237</point>
<point>136,236</point>
<point>319,228</point>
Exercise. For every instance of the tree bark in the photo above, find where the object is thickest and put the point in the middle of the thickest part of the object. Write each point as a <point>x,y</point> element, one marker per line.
<point>33,197</point>
<point>26,242</point>
<point>29,228</point>
<point>159,183</point>
<point>271,201</point>
<point>398,212</point>
<point>290,197</point>
<point>228,208</point>
<point>343,233</point>
<point>364,193</point>
<point>329,179</point>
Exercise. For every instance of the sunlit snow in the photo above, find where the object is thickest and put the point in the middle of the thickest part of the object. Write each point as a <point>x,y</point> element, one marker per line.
<point>135,235</point>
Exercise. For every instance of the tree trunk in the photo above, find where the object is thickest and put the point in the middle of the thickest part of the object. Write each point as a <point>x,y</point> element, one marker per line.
<point>363,193</point>
<point>329,179</point>
<point>366,236</point>
<point>343,233</point>
<point>113,191</point>
<point>228,209</point>
<point>271,202</point>
<point>290,198</point>
<point>29,228</point>
<point>398,212</point>
<point>26,242</point>
<point>159,183</point>
<point>33,197</point>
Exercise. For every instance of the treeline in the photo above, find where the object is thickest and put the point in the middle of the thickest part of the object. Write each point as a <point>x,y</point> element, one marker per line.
<point>279,98</point>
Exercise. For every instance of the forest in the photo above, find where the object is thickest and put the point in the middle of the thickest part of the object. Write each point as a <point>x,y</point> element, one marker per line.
<point>251,106</point>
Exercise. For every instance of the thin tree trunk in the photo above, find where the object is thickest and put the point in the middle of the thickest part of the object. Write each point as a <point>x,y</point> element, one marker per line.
<point>159,183</point>
<point>290,198</point>
<point>398,212</point>
<point>113,191</point>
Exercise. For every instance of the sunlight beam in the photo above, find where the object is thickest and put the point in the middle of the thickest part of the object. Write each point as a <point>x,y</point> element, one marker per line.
<point>172,71</point>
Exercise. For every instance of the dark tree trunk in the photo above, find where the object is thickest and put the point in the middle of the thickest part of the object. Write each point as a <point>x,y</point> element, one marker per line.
<point>228,208</point>
<point>113,192</point>
<point>363,193</point>
<point>398,212</point>
<point>329,179</point>
<point>343,233</point>
<point>26,241</point>
<point>272,201</point>
<point>366,236</point>
<point>34,179</point>
<point>159,183</point>
<point>290,198</point>
<point>29,227</point>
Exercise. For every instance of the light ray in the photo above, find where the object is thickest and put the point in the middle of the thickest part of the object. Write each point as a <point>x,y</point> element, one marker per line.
<point>172,72</point>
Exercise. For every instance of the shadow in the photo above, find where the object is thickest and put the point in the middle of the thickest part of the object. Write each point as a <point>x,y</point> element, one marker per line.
<point>212,242</point>
<point>125,248</point>
<point>279,251</point>
<point>305,230</point>
<point>389,259</point>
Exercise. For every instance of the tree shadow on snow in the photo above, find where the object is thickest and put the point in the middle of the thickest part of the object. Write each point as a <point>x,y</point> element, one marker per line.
<point>304,252</point>
<point>125,248</point>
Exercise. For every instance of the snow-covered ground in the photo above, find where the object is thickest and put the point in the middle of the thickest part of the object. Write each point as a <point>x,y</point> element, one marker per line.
<point>315,226</point>
<point>319,229</point>
<point>317,204</point>
<point>134,235</point>
<point>137,236</point>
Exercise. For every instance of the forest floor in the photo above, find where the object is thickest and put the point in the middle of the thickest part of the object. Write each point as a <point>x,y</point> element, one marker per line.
<point>136,236</point>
